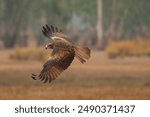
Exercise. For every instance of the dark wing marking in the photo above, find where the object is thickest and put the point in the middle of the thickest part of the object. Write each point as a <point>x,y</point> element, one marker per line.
<point>48,28</point>
<point>51,31</point>
<point>56,29</point>
<point>59,61</point>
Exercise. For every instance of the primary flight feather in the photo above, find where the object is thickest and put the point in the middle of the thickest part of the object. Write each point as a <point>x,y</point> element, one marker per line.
<point>63,53</point>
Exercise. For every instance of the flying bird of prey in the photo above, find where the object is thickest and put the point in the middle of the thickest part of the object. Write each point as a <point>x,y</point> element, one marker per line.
<point>64,50</point>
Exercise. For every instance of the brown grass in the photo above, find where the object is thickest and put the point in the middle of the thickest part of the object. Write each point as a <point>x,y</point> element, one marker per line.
<point>61,92</point>
<point>127,48</point>
<point>99,78</point>
<point>29,53</point>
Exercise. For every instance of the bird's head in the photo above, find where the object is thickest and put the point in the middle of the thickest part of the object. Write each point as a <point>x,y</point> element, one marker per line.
<point>49,46</point>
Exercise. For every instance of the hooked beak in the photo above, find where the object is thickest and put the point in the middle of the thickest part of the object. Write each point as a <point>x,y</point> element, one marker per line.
<point>46,47</point>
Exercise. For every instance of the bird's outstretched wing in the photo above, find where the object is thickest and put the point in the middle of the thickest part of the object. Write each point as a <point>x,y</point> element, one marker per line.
<point>59,61</point>
<point>54,33</point>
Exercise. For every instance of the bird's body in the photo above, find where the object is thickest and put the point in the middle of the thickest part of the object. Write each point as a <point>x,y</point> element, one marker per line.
<point>64,51</point>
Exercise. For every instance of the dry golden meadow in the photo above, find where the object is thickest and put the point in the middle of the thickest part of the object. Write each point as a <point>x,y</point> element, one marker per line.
<point>99,78</point>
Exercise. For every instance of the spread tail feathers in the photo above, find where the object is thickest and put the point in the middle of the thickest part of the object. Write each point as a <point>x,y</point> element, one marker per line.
<point>82,53</point>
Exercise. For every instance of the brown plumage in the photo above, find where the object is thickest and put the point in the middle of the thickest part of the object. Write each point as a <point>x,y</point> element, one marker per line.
<point>64,51</point>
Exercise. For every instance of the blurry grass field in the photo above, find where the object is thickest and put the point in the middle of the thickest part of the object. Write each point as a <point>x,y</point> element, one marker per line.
<point>99,78</point>
<point>129,48</point>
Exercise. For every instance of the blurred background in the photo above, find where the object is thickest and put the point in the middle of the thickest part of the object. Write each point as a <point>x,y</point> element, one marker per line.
<point>117,31</point>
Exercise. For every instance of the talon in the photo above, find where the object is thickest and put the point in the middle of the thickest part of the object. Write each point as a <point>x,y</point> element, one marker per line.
<point>33,74</point>
<point>33,78</point>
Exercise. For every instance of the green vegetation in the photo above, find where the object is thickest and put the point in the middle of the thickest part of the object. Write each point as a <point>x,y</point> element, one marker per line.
<point>121,19</point>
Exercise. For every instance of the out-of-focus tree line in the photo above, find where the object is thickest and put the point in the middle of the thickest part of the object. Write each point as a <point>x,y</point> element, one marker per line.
<point>21,20</point>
